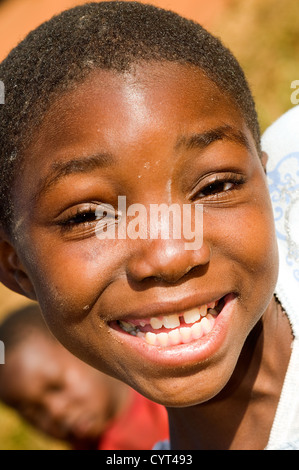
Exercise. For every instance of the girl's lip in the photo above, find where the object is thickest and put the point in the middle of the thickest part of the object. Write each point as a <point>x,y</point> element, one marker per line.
<point>194,352</point>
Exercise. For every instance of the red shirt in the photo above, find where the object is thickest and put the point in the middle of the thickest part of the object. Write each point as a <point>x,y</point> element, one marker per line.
<point>141,425</point>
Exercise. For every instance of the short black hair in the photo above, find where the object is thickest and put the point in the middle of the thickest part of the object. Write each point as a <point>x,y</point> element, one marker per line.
<point>107,35</point>
<point>22,323</point>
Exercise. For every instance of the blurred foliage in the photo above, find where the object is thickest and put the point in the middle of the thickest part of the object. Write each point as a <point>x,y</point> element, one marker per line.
<point>15,434</point>
<point>264,36</point>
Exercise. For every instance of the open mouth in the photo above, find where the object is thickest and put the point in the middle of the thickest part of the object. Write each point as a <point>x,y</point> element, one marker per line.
<point>175,329</point>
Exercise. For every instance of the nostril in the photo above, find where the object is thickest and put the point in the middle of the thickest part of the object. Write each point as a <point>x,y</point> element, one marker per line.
<point>165,261</point>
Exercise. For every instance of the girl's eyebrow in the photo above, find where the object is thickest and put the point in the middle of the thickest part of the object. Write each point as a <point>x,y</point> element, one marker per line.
<point>204,139</point>
<point>60,169</point>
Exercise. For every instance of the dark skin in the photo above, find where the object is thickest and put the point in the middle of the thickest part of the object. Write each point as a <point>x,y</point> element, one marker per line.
<point>166,134</point>
<point>241,415</point>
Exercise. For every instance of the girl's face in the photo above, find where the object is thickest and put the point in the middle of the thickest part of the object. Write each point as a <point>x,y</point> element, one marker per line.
<point>135,308</point>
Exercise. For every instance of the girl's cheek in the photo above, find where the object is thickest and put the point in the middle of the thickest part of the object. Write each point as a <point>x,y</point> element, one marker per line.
<point>75,274</point>
<point>244,235</point>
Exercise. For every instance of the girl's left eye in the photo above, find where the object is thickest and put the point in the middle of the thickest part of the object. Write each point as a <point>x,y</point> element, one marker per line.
<point>219,187</point>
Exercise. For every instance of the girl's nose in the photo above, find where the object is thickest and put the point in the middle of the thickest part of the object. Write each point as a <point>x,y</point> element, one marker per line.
<point>165,260</point>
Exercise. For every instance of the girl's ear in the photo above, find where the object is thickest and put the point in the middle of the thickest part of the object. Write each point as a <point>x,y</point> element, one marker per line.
<point>12,273</point>
<point>264,160</point>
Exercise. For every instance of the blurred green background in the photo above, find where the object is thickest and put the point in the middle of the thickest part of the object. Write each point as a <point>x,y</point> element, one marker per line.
<point>264,36</point>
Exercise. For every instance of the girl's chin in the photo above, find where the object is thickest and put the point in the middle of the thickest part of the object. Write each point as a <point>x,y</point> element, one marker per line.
<point>189,390</point>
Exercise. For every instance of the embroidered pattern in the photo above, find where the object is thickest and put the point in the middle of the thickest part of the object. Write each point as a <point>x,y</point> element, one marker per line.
<point>284,191</point>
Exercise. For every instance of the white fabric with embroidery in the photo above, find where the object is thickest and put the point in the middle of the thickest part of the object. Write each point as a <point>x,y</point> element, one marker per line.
<point>281,142</point>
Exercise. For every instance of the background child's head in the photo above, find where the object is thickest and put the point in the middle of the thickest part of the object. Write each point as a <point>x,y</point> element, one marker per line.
<point>52,389</point>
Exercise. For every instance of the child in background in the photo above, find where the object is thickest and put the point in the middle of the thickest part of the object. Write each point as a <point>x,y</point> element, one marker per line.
<point>124,99</point>
<point>66,398</point>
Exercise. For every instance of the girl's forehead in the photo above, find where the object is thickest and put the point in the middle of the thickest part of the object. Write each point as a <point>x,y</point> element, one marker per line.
<point>119,108</point>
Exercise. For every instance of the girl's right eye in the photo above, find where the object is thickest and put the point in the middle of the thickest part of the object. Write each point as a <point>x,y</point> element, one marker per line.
<point>88,218</point>
<point>80,218</point>
<point>83,215</point>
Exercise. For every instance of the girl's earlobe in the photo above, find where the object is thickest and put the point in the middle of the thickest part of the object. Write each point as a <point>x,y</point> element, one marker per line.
<point>12,273</point>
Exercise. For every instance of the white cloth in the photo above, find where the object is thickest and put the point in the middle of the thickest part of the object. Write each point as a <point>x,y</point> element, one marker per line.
<point>281,142</point>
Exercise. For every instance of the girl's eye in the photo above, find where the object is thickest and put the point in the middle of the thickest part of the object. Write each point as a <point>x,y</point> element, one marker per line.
<point>81,218</point>
<point>88,218</point>
<point>217,187</point>
<point>220,186</point>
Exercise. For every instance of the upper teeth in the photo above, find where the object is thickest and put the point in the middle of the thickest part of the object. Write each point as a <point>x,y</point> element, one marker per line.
<point>185,327</point>
<point>180,335</point>
<point>173,321</point>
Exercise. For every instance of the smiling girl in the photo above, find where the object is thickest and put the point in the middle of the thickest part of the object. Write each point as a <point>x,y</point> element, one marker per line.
<point>124,99</point>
